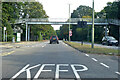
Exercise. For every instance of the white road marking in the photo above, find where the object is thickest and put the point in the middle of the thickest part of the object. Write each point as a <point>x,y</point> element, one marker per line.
<point>20,71</point>
<point>66,44</point>
<point>87,55</point>
<point>117,73</point>
<point>105,65</point>
<point>58,70</point>
<point>25,69</point>
<point>75,71</point>
<point>41,70</point>
<point>94,59</point>
<point>42,46</point>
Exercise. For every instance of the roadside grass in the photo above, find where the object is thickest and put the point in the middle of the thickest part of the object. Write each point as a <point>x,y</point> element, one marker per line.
<point>96,50</point>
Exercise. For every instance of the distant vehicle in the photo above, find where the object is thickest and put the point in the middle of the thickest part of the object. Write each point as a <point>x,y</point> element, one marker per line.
<point>54,39</point>
<point>109,40</point>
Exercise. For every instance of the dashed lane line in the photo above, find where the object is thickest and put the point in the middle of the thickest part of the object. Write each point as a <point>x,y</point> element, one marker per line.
<point>87,55</point>
<point>94,59</point>
<point>105,65</point>
<point>42,46</point>
<point>117,73</point>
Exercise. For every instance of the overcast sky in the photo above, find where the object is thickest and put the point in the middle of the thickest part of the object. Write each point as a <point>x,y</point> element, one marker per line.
<point>60,8</point>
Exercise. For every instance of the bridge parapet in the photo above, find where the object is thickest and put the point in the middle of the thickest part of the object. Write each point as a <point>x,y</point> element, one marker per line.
<point>72,20</point>
<point>99,20</point>
<point>114,22</point>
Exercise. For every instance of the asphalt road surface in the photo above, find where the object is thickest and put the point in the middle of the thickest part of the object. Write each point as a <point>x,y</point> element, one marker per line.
<point>58,61</point>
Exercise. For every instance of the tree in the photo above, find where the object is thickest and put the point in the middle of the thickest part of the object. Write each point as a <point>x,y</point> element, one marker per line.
<point>82,11</point>
<point>79,33</point>
<point>13,10</point>
<point>118,10</point>
<point>112,11</point>
<point>10,12</point>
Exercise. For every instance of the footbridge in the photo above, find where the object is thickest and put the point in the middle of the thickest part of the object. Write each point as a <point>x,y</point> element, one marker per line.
<point>62,21</point>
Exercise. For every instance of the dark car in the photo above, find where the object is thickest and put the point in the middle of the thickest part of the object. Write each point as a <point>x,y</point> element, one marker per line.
<point>54,39</point>
<point>109,40</point>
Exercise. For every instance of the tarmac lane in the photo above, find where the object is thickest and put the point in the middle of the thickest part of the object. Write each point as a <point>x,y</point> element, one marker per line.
<point>57,61</point>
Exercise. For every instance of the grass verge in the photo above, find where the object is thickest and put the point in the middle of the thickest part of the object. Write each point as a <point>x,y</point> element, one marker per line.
<point>96,50</point>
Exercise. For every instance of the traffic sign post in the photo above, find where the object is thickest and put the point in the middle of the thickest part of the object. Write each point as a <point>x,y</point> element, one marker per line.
<point>82,24</point>
<point>92,45</point>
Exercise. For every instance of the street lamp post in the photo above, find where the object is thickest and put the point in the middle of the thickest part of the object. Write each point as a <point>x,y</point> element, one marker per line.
<point>93,27</point>
<point>26,30</point>
<point>69,22</point>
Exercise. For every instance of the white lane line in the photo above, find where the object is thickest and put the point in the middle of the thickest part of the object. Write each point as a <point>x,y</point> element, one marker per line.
<point>94,59</point>
<point>117,73</point>
<point>105,65</point>
<point>42,46</point>
<point>87,55</point>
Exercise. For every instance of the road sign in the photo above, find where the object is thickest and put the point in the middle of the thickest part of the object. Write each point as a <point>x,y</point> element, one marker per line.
<point>70,32</point>
<point>4,28</point>
<point>18,37</point>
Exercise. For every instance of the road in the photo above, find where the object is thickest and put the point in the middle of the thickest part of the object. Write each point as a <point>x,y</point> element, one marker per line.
<point>44,61</point>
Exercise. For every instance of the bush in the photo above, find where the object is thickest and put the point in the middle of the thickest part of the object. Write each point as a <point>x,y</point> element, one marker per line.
<point>9,37</point>
<point>40,37</point>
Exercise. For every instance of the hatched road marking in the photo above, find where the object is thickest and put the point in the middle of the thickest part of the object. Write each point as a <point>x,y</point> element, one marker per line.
<point>5,54</point>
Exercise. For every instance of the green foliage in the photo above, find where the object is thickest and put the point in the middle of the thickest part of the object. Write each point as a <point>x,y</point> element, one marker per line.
<point>79,33</point>
<point>64,32</point>
<point>119,10</point>
<point>58,34</point>
<point>35,10</point>
<point>40,37</point>
<point>15,10</point>
<point>9,37</point>
<point>111,11</point>
<point>82,11</point>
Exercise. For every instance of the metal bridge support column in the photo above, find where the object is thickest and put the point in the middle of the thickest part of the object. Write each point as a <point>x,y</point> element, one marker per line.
<point>119,38</point>
<point>93,26</point>
<point>106,30</point>
<point>26,31</point>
